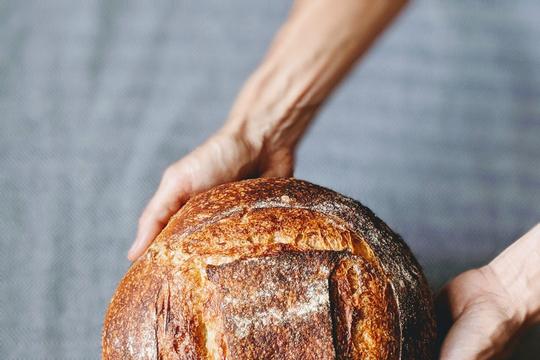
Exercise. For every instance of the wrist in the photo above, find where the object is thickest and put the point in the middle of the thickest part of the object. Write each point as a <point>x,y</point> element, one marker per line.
<point>267,114</point>
<point>262,145</point>
<point>248,139</point>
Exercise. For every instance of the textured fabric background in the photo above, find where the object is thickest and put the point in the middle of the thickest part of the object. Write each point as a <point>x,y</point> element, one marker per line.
<point>437,131</point>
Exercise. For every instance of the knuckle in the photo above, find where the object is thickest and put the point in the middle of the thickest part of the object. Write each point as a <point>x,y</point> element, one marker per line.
<point>144,218</point>
<point>169,174</point>
<point>178,178</point>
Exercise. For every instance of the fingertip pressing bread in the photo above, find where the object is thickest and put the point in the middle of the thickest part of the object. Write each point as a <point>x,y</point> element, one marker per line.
<point>272,269</point>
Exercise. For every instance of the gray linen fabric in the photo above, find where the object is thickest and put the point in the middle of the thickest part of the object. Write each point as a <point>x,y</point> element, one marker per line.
<point>437,131</point>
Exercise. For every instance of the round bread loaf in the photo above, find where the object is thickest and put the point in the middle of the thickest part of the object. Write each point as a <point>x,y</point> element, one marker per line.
<point>272,269</point>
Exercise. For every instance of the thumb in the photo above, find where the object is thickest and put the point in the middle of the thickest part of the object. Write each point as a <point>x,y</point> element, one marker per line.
<point>173,192</point>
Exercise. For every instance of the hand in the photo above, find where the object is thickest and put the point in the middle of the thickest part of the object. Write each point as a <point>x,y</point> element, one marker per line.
<point>485,316</point>
<point>490,306</point>
<point>227,156</point>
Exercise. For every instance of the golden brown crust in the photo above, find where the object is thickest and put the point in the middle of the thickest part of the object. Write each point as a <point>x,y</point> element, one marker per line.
<point>272,303</point>
<point>167,307</point>
<point>364,311</point>
<point>330,302</point>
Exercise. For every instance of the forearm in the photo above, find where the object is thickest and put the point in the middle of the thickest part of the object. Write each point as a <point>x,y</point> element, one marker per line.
<point>518,270</point>
<point>312,52</point>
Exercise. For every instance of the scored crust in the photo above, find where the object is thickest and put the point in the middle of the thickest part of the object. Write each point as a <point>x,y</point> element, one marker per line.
<point>172,303</point>
<point>328,302</point>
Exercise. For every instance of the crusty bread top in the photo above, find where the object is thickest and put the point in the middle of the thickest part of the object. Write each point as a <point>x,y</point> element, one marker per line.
<point>174,302</point>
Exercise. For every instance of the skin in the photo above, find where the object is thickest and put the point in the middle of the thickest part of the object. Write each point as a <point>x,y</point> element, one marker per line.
<point>484,308</point>
<point>488,307</point>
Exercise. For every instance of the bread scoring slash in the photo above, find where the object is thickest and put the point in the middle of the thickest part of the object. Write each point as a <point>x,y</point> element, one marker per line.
<point>272,269</point>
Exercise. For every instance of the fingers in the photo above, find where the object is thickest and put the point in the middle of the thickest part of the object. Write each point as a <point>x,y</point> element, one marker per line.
<point>461,343</point>
<point>482,324</point>
<point>202,169</point>
<point>172,193</point>
<point>478,334</point>
<point>221,159</point>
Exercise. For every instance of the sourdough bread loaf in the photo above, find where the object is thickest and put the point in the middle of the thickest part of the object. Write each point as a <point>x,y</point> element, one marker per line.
<point>272,269</point>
